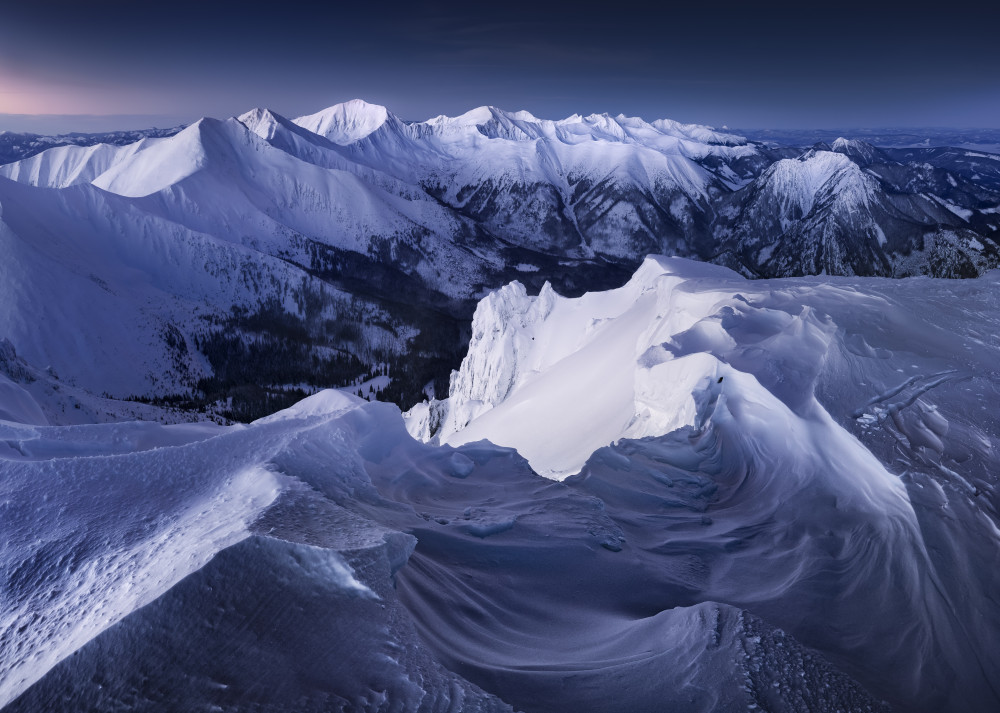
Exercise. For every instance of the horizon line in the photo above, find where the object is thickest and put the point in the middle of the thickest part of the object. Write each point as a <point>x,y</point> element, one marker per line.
<point>172,120</point>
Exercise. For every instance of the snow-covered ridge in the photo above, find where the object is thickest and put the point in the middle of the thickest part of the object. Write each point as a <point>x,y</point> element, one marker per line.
<point>798,184</point>
<point>779,395</point>
<point>613,186</point>
<point>497,123</point>
<point>346,123</point>
<point>71,165</point>
<point>780,447</point>
<point>558,379</point>
<point>228,214</point>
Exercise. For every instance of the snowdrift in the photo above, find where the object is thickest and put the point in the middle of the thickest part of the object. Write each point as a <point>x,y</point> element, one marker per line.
<point>776,495</point>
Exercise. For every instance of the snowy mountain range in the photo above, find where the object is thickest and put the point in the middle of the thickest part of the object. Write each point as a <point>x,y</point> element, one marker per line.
<point>762,479</point>
<point>243,263</point>
<point>762,495</point>
<point>15,146</point>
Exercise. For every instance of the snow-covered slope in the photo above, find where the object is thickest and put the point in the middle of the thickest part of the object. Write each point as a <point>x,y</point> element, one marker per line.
<point>265,253</point>
<point>610,185</point>
<point>163,544</point>
<point>173,235</point>
<point>786,500</point>
<point>299,561</point>
<point>19,146</point>
<point>852,210</point>
<point>346,123</point>
<point>71,165</point>
<point>765,417</point>
<point>515,341</point>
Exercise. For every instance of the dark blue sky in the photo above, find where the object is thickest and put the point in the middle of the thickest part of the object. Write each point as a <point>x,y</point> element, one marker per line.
<point>779,65</point>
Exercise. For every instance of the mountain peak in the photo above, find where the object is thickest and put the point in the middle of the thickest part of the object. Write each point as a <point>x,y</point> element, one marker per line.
<point>800,181</point>
<point>256,114</point>
<point>347,122</point>
<point>860,151</point>
<point>262,121</point>
<point>473,117</point>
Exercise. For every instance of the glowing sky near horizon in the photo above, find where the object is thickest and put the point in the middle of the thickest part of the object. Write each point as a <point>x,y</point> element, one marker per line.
<point>778,65</point>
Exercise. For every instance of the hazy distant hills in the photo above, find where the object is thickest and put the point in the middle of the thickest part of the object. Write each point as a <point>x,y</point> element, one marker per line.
<point>245,262</point>
<point>15,146</point>
<point>930,137</point>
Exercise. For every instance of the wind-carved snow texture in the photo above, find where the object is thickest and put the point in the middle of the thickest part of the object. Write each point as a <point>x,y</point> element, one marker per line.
<point>788,502</point>
<point>153,567</point>
<point>785,446</point>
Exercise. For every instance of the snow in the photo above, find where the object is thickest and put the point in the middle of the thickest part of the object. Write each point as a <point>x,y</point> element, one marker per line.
<point>488,147</point>
<point>879,234</point>
<point>17,405</point>
<point>711,446</point>
<point>161,165</point>
<point>797,184</point>
<point>71,165</point>
<point>326,403</point>
<point>346,123</point>
<point>160,521</point>
<point>558,379</point>
<point>853,147</point>
<point>324,540</point>
<point>963,213</point>
<point>221,212</point>
<point>203,221</point>
<point>763,381</point>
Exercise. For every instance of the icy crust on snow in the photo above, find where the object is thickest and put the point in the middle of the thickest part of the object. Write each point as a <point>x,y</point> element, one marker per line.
<point>205,562</point>
<point>90,539</point>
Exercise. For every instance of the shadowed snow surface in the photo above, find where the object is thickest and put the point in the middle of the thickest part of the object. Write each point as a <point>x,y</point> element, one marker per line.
<point>774,495</point>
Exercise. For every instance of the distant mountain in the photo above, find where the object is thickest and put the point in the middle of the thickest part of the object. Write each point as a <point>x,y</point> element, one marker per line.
<point>240,264</point>
<point>15,146</point>
<point>929,137</point>
<point>853,210</point>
